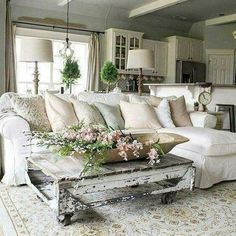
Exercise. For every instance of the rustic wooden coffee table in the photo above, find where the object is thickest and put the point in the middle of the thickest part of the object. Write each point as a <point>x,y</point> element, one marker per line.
<point>54,181</point>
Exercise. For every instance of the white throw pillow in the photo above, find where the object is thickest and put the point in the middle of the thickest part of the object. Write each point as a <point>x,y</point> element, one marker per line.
<point>164,115</point>
<point>88,114</point>
<point>139,116</point>
<point>60,112</point>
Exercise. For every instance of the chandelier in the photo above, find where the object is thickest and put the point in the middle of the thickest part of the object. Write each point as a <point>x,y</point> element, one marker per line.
<point>67,51</point>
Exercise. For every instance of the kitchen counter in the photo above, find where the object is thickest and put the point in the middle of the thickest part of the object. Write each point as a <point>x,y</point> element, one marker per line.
<point>190,84</point>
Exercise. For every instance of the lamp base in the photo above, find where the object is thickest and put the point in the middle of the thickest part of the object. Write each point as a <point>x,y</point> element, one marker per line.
<point>36,79</point>
<point>140,81</point>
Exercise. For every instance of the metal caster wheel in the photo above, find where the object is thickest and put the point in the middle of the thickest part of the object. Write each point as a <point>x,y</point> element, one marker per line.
<point>168,198</point>
<point>65,219</point>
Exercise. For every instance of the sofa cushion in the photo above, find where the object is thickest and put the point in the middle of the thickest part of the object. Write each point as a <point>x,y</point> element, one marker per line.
<point>139,116</point>
<point>32,109</point>
<point>88,114</point>
<point>179,112</point>
<point>112,115</point>
<point>208,142</point>
<point>60,112</point>
<point>164,115</point>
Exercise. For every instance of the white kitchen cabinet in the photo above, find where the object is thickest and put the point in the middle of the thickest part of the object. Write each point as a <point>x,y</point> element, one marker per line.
<point>118,42</point>
<point>160,50</point>
<point>189,49</point>
<point>182,48</point>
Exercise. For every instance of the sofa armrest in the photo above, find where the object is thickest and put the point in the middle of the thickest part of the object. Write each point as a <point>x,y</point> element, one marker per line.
<point>203,119</point>
<point>15,149</point>
<point>12,127</point>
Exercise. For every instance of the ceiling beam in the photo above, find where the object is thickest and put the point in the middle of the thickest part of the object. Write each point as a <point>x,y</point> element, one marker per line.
<point>153,6</point>
<point>221,20</point>
<point>63,2</point>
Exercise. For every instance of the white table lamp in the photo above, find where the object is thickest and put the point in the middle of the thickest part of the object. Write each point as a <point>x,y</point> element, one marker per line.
<point>36,51</point>
<point>140,59</point>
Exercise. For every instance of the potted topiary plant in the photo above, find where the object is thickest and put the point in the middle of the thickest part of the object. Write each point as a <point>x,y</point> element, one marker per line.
<point>109,74</point>
<point>70,73</point>
<point>196,106</point>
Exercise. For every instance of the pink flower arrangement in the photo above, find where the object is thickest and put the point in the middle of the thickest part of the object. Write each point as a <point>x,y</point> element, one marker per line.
<point>93,142</point>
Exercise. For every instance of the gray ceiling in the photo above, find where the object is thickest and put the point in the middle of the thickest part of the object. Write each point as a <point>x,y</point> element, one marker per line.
<point>190,11</point>
<point>102,14</point>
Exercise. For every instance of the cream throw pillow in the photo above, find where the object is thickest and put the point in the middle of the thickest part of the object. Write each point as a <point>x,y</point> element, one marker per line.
<point>179,112</point>
<point>32,109</point>
<point>88,114</point>
<point>112,115</point>
<point>60,112</point>
<point>139,116</point>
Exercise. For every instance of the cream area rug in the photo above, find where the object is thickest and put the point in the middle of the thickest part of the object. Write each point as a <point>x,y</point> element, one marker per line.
<point>202,212</point>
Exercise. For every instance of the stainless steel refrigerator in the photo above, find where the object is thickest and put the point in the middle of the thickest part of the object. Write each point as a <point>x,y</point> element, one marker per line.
<point>190,72</point>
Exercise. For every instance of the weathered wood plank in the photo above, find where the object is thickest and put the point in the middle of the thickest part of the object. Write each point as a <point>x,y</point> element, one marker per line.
<point>70,168</point>
<point>129,179</point>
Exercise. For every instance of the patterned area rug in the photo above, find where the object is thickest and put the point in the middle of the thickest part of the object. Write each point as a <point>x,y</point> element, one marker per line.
<point>202,212</point>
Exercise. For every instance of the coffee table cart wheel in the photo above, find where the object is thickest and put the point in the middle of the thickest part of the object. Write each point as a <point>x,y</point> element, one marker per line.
<point>168,198</point>
<point>65,219</point>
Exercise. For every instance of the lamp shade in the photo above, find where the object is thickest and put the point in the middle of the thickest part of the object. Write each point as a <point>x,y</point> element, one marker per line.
<point>140,58</point>
<point>36,50</point>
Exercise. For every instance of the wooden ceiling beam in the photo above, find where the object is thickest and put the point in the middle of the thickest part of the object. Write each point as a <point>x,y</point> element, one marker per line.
<point>62,2</point>
<point>153,6</point>
<point>221,20</point>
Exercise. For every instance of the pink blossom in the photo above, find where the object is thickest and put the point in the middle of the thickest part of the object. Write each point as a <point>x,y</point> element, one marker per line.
<point>153,156</point>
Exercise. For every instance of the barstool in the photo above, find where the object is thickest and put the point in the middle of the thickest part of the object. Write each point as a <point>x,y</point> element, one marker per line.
<point>228,108</point>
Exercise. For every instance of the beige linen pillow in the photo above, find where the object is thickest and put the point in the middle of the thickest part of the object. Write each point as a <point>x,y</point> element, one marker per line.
<point>32,109</point>
<point>88,114</point>
<point>60,112</point>
<point>139,116</point>
<point>112,115</point>
<point>179,112</point>
<point>154,101</point>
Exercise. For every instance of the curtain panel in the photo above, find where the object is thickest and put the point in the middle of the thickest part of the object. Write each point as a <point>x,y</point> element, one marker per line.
<point>10,60</point>
<point>94,63</point>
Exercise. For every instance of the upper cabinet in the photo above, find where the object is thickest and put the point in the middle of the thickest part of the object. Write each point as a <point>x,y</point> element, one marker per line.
<point>185,49</point>
<point>118,42</point>
<point>189,49</point>
<point>160,50</point>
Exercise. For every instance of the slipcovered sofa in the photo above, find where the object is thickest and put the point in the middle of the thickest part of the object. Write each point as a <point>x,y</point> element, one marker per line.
<point>213,151</point>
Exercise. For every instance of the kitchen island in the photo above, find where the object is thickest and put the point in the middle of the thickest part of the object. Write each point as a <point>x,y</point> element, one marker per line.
<point>221,94</point>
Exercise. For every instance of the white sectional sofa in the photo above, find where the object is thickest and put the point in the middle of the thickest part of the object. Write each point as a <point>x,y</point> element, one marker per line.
<point>213,151</point>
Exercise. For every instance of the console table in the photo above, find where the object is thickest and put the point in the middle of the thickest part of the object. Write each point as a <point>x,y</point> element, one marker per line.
<point>56,181</point>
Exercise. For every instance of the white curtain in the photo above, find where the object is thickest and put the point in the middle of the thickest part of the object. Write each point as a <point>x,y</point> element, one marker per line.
<point>10,61</point>
<point>94,63</point>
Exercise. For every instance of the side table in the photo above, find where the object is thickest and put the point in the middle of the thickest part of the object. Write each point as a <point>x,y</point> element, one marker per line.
<point>219,116</point>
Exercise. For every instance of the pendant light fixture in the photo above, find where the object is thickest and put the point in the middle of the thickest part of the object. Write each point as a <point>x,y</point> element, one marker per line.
<point>67,51</point>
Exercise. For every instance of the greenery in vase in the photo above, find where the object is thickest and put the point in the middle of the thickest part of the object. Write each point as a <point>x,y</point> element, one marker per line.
<point>70,72</point>
<point>109,74</point>
<point>92,143</point>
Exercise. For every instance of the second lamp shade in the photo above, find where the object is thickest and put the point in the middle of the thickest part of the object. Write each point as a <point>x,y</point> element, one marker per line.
<point>140,58</point>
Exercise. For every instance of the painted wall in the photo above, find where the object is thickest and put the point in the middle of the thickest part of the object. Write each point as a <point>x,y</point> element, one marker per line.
<point>216,37</point>
<point>2,44</point>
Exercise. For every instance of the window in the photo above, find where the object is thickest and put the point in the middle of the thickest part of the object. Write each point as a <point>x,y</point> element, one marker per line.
<point>50,76</point>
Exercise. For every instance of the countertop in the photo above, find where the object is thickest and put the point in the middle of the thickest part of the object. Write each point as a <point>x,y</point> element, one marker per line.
<point>191,84</point>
